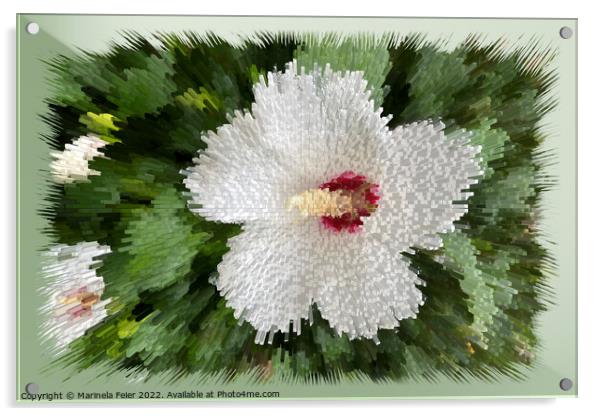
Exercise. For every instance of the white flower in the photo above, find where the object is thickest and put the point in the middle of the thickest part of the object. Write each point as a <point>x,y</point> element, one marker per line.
<point>73,291</point>
<point>271,169</point>
<point>71,164</point>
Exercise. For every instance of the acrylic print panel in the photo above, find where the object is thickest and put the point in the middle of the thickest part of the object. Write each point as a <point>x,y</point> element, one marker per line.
<point>267,208</point>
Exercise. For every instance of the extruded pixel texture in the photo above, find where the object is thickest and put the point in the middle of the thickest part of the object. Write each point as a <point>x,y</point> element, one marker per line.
<point>304,207</point>
<point>74,291</point>
<point>304,129</point>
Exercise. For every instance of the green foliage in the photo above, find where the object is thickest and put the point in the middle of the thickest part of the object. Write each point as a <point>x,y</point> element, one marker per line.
<point>480,295</point>
<point>101,124</point>
<point>430,95</point>
<point>492,142</point>
<point>159,244</point>
<point>372,58</point>
<point>144,89</point>
<point>483,288</point>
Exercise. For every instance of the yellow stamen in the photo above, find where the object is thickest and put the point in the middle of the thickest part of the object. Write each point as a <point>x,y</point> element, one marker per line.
<point>321,202</point>
<point>86,299</point>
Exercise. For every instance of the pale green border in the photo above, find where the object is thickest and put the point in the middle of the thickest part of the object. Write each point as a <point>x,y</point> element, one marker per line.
<point>64,34</point>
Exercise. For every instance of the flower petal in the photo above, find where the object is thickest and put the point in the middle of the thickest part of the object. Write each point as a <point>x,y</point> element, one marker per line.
<point>364,285</point>
<point>232,180</point>
<point>267,278</point>
<point>302,130</point>
<point>272,275</point>
<point>71,164</point>
<point>424,181</point>
<point>71,274</point>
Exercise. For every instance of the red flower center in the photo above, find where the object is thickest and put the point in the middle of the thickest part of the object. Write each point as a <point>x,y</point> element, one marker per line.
<point>364,197</point>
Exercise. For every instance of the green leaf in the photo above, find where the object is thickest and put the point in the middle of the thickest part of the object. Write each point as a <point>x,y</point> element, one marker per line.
<point>481,304</point>
<point>434,80</point>
<point>145,90</point>
<point>158,248</point>
<point>372,58</point>
<point>101,124</point>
